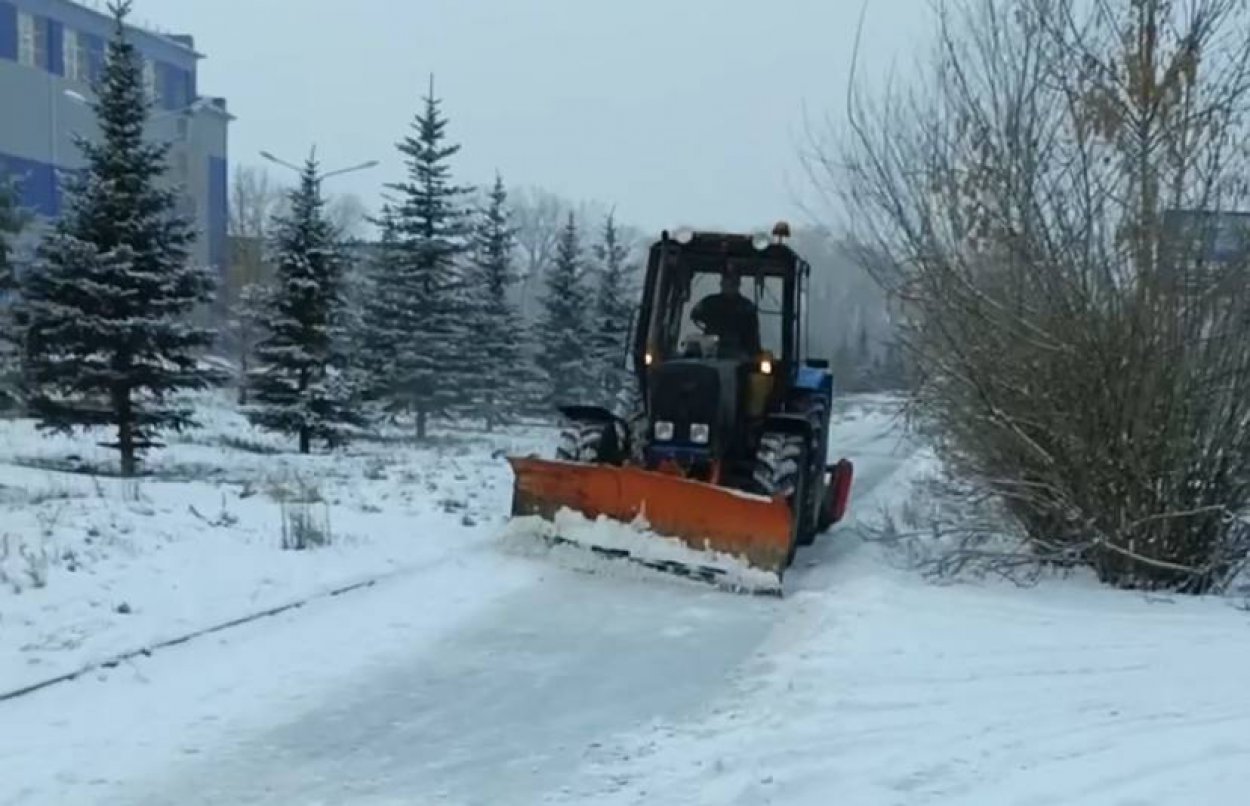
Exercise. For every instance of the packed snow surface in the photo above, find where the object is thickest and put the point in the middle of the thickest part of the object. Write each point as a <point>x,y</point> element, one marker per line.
<point>473,674</point>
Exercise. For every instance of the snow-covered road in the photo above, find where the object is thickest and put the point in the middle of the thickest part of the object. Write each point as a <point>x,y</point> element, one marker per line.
<point>485,678</point>
<point>508,706</point>
<point>482,679</point>
<point>502,711</point>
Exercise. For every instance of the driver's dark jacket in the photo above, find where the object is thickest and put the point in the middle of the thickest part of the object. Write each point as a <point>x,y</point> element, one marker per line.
<point>731,317</point>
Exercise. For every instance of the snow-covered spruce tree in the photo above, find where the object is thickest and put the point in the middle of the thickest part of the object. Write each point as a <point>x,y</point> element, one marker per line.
<point>11,222</point>
<point>299,384</point>
<point>496,323</point>
<point>379,337</point>
<point>106,307</point>
<point>245,322</point>
<point>421,321</point>
<point>565,351</point>
<point>349,326</point>
<point>614,303</point>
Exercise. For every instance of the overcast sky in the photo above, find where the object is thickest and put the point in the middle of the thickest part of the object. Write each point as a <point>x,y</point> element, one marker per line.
<point>675,111</point>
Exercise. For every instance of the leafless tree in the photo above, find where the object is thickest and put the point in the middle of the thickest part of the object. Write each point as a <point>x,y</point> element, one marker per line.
<point>537,215</point>
<point>1050,196</point>
<point>254,199</point>
<point>348,215</point>
<point>851,323</point>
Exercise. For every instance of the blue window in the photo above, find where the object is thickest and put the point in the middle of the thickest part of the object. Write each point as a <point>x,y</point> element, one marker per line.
<point>8,31</point>
<point>33,39</point>
<point>36,184</point>
<point>56,48</point>
<point>218,210</point>
<point>95,57</point>
<point>172,84</point>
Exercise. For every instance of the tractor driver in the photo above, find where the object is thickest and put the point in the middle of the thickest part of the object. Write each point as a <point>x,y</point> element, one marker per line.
<point>731,316</point>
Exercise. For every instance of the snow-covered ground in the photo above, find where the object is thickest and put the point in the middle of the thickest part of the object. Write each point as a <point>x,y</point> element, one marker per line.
<point>878,689</point>
<point>92,567</point>
<point>476,674</point>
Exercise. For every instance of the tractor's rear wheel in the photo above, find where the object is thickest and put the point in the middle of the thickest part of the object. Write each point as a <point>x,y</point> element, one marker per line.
<point>814,408</point>
<point>781,469</point>
<point>825,521</point>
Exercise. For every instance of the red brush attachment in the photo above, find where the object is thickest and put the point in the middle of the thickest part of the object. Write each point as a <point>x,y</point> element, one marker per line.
<point>839,489</point>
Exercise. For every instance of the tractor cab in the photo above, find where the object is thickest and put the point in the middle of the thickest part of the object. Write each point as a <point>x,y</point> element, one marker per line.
<point>693,268</point>
<point>717,345</point>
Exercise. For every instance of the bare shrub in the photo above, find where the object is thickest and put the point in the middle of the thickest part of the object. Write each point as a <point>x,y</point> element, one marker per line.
<point>948,528</point>
<point>375,469</point>
<point>6,551</point>
<point>301,528</point>
<point>34,566</point>
<point>53,492</point>
<point>1050,204</point>
<point>248,445</point>
<point>224,517</point>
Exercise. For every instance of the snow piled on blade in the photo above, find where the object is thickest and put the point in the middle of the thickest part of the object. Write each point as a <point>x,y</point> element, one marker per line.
<point>631,549</point>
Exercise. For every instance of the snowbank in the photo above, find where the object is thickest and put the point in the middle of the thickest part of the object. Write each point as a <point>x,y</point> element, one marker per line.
<point>890,691</point>
<point>879,688</point>
<point>92,566</point>
<point>646,549</point>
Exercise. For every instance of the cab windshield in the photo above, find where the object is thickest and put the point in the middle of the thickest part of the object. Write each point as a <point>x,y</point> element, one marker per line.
<point>710,319</point>
<point>764,297</point>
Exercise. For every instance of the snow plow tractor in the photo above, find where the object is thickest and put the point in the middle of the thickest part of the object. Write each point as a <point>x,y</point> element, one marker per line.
<point>723,457</point>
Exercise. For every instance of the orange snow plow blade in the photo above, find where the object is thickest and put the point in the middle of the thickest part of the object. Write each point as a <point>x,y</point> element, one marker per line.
<point>752,528</point>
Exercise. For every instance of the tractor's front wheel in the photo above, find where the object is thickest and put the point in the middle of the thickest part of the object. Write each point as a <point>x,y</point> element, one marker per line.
<point>781,469</point>
<point>590,441</point>
<point>632,410</point>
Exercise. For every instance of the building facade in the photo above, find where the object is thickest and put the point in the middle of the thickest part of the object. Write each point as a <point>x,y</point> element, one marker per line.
<point>51,53</point>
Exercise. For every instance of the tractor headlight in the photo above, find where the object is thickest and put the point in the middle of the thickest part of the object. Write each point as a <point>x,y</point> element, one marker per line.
<point>700,433</point>
<point>663,430</point>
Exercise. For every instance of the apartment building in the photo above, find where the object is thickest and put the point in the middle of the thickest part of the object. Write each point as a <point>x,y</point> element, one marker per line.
<point>51,53</point>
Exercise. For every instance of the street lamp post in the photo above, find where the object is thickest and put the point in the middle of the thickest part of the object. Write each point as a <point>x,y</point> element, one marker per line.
<point>318,179</point>
<point>321,177</point>
<point>194,106</point>
<point>187,111</point>
<point>54,155</point>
